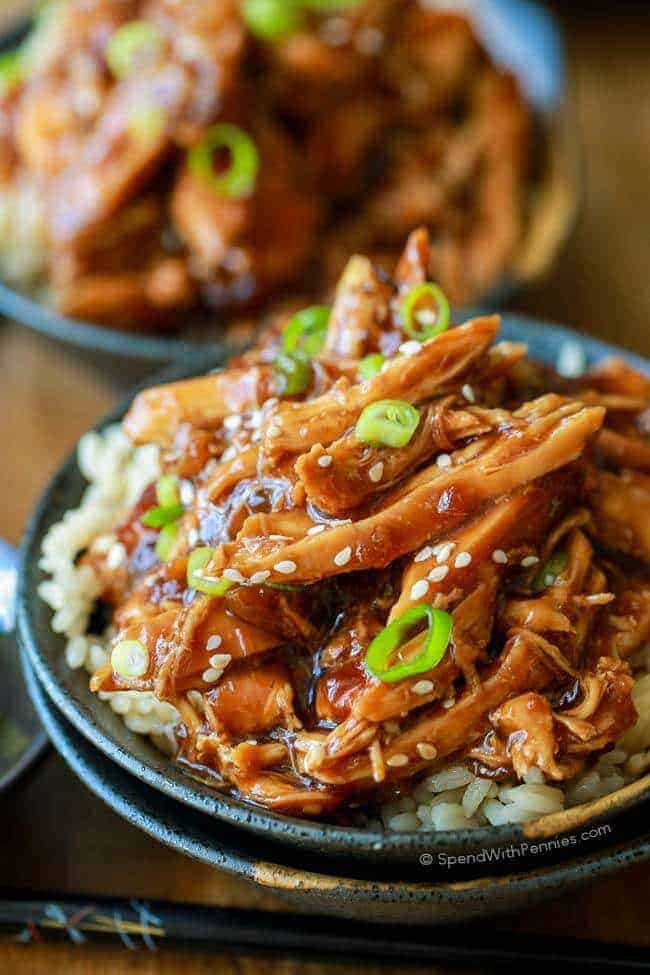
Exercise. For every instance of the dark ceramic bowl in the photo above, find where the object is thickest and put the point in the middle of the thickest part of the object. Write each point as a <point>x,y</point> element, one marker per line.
<point>521,35</point>
<point>430,899</point>
<point>69,692</point>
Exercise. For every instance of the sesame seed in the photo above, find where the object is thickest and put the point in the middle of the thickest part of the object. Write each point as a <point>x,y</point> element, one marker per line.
<point>449,703</point>
<point>302,432</point>
<point>426,751</point>
<point>369,41</point>
<point>376,472</point>
<point>422,687</point>
<point>335,31</point>
<point>468,393</point>
<point>439,573</point>
<point>443,460</point>
<point>259,577</point>
<point>499,556</point>
<point>426,316</point>
<point>210,675</point>
<point>344,556</point>
<point>462,560</point>
<point>286,567</point>
<point>214,642</point>
<point>232,422</point>
<point>410,348</point>
<point>529,561</point>
<point>444,551</point>
<point>233,575</point>
<point>395,761</point>
<point>116,556</point>
<point>219,661</point>
<point>324,461</point>
<point>195,699</point>
<point>192,537</point>
<point>424,554</point>
<point>187,493</point>
<point>420,589</point>
<point>316,529</point>
<point>273,431</point>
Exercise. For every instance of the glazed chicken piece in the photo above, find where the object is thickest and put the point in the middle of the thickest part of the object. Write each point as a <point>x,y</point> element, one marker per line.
<point>620,505</point>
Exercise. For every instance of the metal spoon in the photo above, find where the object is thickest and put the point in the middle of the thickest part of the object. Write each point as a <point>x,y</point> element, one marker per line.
<point>21,737</point>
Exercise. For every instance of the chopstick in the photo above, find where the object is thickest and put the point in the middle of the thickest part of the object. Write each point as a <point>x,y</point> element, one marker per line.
<point>150,925</point>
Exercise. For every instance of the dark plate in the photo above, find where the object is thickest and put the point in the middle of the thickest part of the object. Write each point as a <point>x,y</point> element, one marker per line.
<point>69,689</point>
<point>431,901</point>
<point>522,36</point>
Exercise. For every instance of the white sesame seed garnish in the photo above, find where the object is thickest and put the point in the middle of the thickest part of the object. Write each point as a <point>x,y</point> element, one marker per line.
<point>192,537</point>
<point>529,561</point>
<point>395,761</point>
<point>422,687</point>
<point>426,751</point>
<point>499,556</point>
<point>439,573</point>
<point>369,41</point>
<point>468,393</point>
<point>186,493</point>
<point>233,422</point>
<point>302,432</point>
<point>344,556</point>
<point>376,472</point>
<point>424,554</point>
<point>286,567</point>
<point>426,316</point>
<point>444,551</point>
<point>449,703</point>
<point>462,560</point>
<point>316,529</point>
<point>324,461</point>
<point>233,575</point>
<point>259,577</point>
<point>443,460</point>
<point>116,556</point>
<point>420,589</point>
<point>273,431</point>
<point>210,675</point>
<point>219,661</point>
<point>335,31</point>
<point>213,643</point>
<point>410,348</point>
<point>571,361</point>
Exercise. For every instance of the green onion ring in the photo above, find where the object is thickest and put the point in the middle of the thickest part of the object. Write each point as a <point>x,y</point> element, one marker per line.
<point>293,372</point>
<point>132,43</point>
<point>272,20</point>
<point>439,627</point>
<point>409,314</point>
<point>371,365</point>
<point>307,330</point>
<point>387,423</point>
<point>239,179</point>
<point>162,515</point>
<point>199,559</point>
<point>167,491</point>
<point>166,540</point>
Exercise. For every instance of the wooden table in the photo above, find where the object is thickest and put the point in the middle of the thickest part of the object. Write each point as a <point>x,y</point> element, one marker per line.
<point>55,835</point>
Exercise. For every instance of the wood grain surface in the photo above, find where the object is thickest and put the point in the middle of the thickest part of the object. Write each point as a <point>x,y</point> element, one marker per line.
<point>55,835</point>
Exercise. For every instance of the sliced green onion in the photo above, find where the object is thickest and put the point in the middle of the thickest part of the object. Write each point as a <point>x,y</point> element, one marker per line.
<point>131,45</point>
<point>239,179</point>
<point>329,4</point>
<point>307,330</point>
<point>423,318</point>
<point>129,659</point>
<point>552,568</point>
<point>382,648</point>
<point>272,20</point>
<point>293,372</point>
<point>387,423</point>
<point>167,491</point>
<point>162,515</point>
<point>371,365</point>
<point>11,70</point>
<point>166,540</point>
<point>196,579</point>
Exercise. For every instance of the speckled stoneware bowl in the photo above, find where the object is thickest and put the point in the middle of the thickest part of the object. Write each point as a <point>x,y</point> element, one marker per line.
<point>311,886</point>
<point>69,692</point>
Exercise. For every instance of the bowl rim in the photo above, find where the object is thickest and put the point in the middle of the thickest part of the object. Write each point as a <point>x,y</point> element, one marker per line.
<point>146,809</point>
<point>339,840</point>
